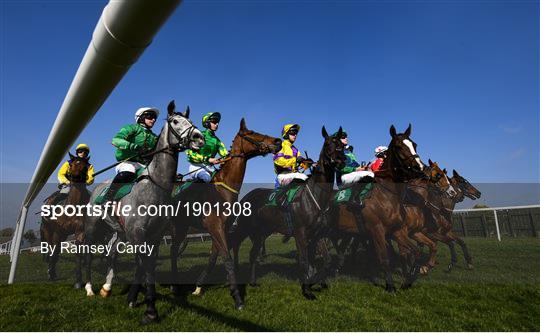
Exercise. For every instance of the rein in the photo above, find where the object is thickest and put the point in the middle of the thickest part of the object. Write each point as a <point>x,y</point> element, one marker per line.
<point>182,145</point>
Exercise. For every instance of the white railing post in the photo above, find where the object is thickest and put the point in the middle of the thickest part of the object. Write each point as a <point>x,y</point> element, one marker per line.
<point>497,225</point>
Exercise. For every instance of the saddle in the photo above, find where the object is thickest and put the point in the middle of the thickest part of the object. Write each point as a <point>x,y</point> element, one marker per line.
<point>181,187</point>
<point>283,195</point>
<point>123,190</point>
<point>357,193</point>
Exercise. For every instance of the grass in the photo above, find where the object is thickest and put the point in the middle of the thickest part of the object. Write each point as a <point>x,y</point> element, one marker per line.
<point>501,294</point>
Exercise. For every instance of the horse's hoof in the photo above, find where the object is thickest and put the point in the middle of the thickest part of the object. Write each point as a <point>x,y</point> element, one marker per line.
<point>390,288</point>
<point>78,285</point>
<point>406,286</point>
<point>424,270</point>
<point>132,304</point>
<point>198,291</point>
<point>239,306</point>
<point>470,266</point>
<point>104,293</point>
<point>309,296</point>
<point>149,318</point>
<point>324,285</point>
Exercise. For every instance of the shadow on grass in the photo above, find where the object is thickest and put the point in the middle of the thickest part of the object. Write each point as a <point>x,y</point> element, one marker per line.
<point>236,323</point>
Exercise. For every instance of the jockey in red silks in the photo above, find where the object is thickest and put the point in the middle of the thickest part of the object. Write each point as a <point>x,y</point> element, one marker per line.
<point>380,155</point>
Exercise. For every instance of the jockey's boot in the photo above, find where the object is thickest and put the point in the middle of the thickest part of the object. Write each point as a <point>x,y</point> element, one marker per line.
<point>359,221</point>
<point>285,207</point>
<point>355,203</point>
<point>120,179</point>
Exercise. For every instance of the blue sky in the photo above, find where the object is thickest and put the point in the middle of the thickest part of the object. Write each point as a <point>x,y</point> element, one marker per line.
<point>465,74</point>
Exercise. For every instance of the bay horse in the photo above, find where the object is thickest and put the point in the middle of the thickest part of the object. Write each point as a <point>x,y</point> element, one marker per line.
<point>154,189</point>
<point>418,217</point>
<point>383,215</point>
<point>54,232</point>
<point>223,189</point>
<point>310,199</point>
<point>443,230</point>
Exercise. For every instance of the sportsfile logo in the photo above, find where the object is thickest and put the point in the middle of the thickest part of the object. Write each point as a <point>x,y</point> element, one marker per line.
<point>196,209</point>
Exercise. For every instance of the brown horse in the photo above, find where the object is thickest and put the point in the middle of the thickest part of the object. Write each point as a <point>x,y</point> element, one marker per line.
<point>54,232</point>
<point>311,198</point>
<point>383,215</point>
<point>443,230</point>
<point>417,216</point>
<point>222,190</point>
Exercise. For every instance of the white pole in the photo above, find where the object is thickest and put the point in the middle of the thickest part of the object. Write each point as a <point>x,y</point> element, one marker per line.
<point>16,244</point>
<point>497,225</point>
<point>13,239</point>
<point>123,32</point>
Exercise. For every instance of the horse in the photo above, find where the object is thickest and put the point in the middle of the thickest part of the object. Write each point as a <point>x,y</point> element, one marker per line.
<point>222,191</point>
<point>419,216</point>
<point>154,188</point>
<point>310,199</point>
<point>416,217</point>
<point>382,215</point>
<point>54,232</point>
<point>443,231</point>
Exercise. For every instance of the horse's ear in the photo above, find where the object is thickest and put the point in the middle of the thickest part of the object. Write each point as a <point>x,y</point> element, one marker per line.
<point>324,132</point>
<point>393,131</point>
<point>71,156</point>
<point>186,113</point>
<point>339,132</point>
<point>171,107</point>
<point>408,131</point>
<point>454,173</point>
<point>243,126</point>
<point>444,170</point>
<point>430,162</point>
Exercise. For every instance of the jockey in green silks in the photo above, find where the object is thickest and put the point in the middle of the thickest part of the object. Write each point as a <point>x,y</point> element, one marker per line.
<point>133,141</point>
<point>352,172</point>
<point>202,162</point>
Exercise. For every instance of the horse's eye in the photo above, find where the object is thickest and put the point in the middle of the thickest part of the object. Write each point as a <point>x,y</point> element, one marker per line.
<point>175,122</point>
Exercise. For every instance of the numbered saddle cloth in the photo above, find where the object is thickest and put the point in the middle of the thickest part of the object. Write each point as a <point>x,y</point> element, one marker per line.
<point>123,190</point>
<point>282,194</point>
<point>345,195</point>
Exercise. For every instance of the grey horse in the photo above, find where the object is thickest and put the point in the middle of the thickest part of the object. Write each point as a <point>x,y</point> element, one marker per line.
<point>137,227</point>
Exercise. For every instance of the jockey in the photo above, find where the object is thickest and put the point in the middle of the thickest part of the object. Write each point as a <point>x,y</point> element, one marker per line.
<point>202,161</point>
<point>82,150</point>
<point>132,142</point>
<point>352,172</point>
<point>380,155</point>
<point>286,161</point>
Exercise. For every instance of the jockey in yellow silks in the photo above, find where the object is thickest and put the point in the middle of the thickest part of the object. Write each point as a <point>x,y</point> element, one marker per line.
<point>82,151</point>
<point>287,159</point>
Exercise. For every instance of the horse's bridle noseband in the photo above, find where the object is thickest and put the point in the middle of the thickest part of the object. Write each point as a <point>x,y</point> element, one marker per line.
<point>262,146</point>
<point>401,161</point>
<point>183,141</point>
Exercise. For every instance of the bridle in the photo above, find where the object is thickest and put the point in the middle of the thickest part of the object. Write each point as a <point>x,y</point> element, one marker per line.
<point>84,173</point>
<point>183,140</point>
<point>262,147</point>
<point>402,162</point>
<point>330,157</point>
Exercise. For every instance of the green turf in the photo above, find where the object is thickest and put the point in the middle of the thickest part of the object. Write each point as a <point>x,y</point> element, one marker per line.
<point>502,293</point>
